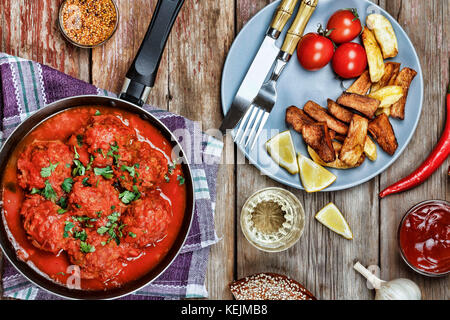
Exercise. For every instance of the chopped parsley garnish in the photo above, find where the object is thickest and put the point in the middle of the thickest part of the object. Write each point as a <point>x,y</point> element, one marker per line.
<point>82,235</point>
<point>48,192</point>
<point>106,173</point>
<point>97,113</point>
<point>79,140</point>
<point>114,148</point>
<point>62,211</point>
<point>47,172</point>
<point>110,228</point>
<point>180,180</point>
<point>130,170</point>
<point>79,169</point>
<point>100,150</point>
<point>86,247</point>
<point>86,183</point>
<point>172,167</point>
<point>62,202</point>
<point>68,228</point>
<point>67,184</point>
<point>35,191</point>
<point>77,155</point>
<point>166,178</point>
<point>89,165</point>
<point>132,234</point>
<point>127,196</point>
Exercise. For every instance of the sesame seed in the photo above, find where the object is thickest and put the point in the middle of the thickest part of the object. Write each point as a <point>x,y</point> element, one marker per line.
<point>269,286</point>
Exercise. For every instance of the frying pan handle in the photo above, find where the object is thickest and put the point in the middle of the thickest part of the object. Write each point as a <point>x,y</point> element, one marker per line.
<point>141,76</point>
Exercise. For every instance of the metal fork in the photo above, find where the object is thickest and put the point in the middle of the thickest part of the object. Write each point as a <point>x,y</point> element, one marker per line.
<point>256,116</point>
<point>258,113</point>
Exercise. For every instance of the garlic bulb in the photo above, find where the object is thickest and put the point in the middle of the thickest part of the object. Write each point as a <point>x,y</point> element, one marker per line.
<point>398,289</point>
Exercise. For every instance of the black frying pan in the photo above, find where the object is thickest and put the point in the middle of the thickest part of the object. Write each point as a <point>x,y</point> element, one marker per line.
<point>139,80</point>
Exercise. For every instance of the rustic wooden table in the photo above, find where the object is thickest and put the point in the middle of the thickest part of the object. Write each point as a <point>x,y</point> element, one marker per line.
<point>189,84</point>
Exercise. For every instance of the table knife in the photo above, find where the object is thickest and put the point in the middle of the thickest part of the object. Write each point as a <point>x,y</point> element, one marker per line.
<point>260,67</point>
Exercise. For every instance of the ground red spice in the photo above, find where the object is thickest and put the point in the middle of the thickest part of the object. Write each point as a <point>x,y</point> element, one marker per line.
<point>88,22</point>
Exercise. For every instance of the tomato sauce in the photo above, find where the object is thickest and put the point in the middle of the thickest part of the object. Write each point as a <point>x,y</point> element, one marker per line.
<point>56,266</point>
<point>424,237</point>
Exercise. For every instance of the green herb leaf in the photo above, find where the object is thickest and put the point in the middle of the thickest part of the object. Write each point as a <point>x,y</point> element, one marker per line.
<point>181,180</point>
<point>67,184</point>
<point>86,183</point>
<point>62,211</point>
<point>68,228</point>
<point>106,173</point>
<point>131,170</point>
<point>102,230</point>
<point>97,113</point>
<point>79,140</point>
<point>127,196</point>
<point>62,202</point>
<point>47,172</point>
<point>48,192</point>
<point>79,169</point>
<point>132,234</point>
<point>86,247</point>
<point>82,235</point>
<point>35,191</point>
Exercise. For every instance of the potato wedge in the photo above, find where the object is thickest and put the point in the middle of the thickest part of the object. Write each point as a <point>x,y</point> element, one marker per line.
<point>353,146</point>
<point>321,115</point>
<point>370,149</point>
<point>403,79</point>
<point>361,85</point>
<point>367,106</point>
<point>336,164</point>
<point>382,131</point>
<point>384,33</point>
<point>387,95</point>
<point>386,111</point>
<point>374,55</point>
<point>297,118</point>
<point>339,112</point>
<point>317,137</point>
<point>390,73</point>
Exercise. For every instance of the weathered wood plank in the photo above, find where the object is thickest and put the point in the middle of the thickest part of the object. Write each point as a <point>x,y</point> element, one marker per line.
<point>321,260</point>
<point>111,61</point>
<point>198,45</point>
<point>29,29</point>
<point>427,25</point>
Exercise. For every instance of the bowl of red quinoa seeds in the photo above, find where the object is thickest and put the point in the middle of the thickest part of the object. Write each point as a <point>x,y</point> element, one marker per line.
<point>88,23</point>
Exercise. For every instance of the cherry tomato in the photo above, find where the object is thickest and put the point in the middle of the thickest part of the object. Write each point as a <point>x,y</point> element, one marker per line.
<point>344,26</point>
<point>314,51</point>
<point>349,60</point>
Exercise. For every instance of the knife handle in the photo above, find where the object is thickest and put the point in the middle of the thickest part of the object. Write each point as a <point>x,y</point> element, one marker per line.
<point>297,28</point>
<point>282,15</point>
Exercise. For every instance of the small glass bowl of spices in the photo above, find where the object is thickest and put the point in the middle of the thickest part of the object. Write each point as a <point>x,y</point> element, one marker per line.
<point>88,23</point>
<point>272,219</point>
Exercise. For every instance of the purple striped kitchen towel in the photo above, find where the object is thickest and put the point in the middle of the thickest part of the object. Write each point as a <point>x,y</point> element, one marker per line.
<point>27,86</point>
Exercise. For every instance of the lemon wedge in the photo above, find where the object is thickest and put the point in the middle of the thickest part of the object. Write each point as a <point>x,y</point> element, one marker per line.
<point>314,177</point>
<point>281,149</point>
<point>332,218</point>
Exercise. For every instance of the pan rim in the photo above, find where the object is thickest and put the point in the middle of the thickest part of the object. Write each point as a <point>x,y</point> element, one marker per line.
<point>62,105</point>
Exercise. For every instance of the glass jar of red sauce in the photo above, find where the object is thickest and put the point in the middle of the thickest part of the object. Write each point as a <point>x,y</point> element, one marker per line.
<point>424,238</point>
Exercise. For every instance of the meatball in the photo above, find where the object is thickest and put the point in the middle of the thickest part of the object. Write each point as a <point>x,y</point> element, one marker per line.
<point>44,226</point>
<point>147,220</point>
<point>94,196</point>
<point>147,169</point>
<point>97,257</point>
<point>44,161</point>
<point>107,137</point>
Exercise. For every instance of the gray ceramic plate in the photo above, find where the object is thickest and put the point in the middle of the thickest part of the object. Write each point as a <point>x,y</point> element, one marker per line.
<point>296,86</point>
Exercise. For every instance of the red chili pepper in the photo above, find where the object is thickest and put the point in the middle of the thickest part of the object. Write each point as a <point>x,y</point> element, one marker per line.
<point>430,165</point>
